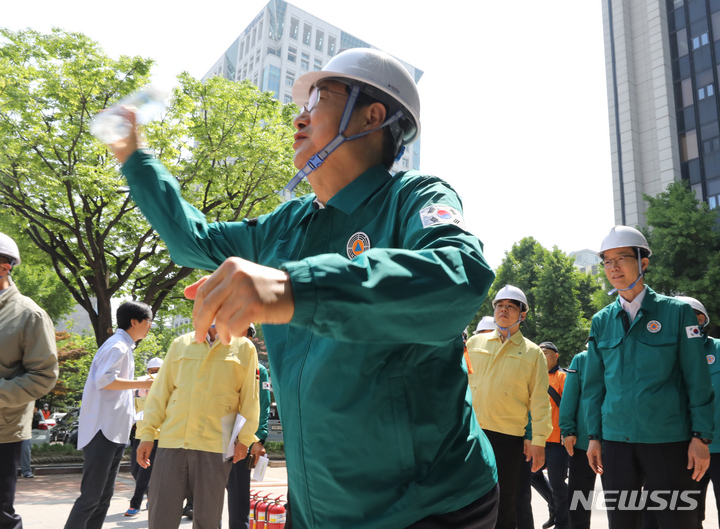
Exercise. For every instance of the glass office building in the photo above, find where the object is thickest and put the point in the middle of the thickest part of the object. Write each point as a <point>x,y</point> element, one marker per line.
<point>283,42</point>
<point>662,60</point>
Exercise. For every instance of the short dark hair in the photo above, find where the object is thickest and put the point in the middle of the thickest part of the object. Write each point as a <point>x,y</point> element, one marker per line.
<point>132,310</point>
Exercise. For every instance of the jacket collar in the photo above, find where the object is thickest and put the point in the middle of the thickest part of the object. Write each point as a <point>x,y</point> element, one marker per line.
<point>554,369</point>
<point>648,304</point>
<point>350,197</point>
<point>516,338</point>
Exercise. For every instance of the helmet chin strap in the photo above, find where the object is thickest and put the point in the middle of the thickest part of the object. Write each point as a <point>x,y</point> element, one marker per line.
<point>319,157</point>
<point>641,273</point>
<point>507,329</point>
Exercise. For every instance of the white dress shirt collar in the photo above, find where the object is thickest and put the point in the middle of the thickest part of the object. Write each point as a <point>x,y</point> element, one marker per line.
<point>632,307</point>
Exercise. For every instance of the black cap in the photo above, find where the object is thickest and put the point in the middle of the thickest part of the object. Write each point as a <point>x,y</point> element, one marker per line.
<point>549,345</point>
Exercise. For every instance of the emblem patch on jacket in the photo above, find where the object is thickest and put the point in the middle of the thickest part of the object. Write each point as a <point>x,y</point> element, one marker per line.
<point>440,214</point>
<point>692,331</point>
<point>266,385</point>
<point>654,326</point>
<point>357,244</point>
<point>711,359</point>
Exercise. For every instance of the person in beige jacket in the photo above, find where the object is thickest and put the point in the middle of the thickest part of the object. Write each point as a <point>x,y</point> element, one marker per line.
<point>28,370</point>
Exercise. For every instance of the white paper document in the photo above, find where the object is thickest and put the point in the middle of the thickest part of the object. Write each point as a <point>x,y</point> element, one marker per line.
<point>231,426</point>
<point>260,466</point>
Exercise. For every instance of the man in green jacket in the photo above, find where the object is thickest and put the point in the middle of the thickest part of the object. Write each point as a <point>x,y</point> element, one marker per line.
<point>363,289</point>
<point>647,392</point>
<point>581,478</point>
<point>28,370</point>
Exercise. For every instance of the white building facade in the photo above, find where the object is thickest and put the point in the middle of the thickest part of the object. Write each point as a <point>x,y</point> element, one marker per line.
<point>282,43</point>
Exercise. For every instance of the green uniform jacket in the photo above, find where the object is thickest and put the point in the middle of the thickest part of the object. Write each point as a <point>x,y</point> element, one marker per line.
<point>262,431</point>
<point>650,384</point>
<point>712,353</point>
<point>572,406</point>
<point>369,376</point>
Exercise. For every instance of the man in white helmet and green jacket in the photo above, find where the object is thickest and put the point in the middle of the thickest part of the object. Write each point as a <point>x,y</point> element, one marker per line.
<point>647,392</point>
<point>363,289</point>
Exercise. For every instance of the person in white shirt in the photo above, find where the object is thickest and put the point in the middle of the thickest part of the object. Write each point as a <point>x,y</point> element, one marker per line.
<point>107,413</point>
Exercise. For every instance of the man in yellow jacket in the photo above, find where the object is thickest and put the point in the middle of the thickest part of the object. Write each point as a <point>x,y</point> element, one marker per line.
<point>198,386</point>
<point>510,379</point>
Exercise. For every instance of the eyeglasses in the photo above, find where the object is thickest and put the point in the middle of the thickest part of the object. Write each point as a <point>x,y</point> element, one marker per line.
<point>617,261</point>
<point>315,97</point>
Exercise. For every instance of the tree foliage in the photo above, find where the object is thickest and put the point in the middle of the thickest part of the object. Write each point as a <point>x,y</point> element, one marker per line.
<point>685,242</point>
<point>227,143</point>
<point>559,296</point>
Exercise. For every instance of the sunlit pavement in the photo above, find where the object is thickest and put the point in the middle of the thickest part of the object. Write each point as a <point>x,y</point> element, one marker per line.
<point>45,502</point>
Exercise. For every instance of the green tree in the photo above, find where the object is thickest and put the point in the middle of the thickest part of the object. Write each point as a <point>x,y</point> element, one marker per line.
<point>685,241</point>
<point>227,143</point>
<point>559,311</point>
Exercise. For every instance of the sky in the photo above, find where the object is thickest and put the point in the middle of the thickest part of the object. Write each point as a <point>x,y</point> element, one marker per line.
<point>514,97</point>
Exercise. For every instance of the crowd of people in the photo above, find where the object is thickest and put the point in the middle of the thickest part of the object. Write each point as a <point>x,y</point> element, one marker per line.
<point>390,420</point>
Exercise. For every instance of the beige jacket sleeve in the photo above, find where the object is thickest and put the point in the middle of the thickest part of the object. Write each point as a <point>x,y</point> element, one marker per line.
<point>249,406</point>
<point>539,401</point>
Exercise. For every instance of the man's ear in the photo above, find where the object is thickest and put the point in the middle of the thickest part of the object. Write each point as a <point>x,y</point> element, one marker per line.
<point>645,262</point>
<point>522,316</point>
<point>375,116</point>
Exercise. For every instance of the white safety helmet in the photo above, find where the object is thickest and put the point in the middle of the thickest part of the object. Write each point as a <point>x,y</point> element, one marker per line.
<point>154,362</point>
<point>8,248</point>
<point>696,305</point>
<point>622,236</point>
<point>513,293</point>
<point>487,323</point>
<point>380,76</point>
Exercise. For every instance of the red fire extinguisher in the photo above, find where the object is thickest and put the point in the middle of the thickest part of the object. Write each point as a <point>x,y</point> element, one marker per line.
<point>275,515</point>
<point>251,515</point>
<point>260,510</point>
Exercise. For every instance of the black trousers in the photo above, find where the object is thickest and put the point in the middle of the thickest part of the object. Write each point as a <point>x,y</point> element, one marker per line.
<point>238,491</point>
<point>581,482</point>
<point>142,477</point>
<point>556,458</point>
<point>630,467</point>
<point>528,481</point>
<point>508,458</point>
<point>100,468</point>
<point>9,462</point>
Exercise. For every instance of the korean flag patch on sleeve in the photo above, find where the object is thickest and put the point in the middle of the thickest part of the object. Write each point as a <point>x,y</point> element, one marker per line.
<point>441,214</point>
<point>266,385</point>
<point>692,331</point>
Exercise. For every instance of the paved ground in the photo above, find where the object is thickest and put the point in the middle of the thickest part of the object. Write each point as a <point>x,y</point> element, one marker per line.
<point>45,502</point>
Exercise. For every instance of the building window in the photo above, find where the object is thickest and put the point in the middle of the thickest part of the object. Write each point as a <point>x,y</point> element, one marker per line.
<point>404,162</point>
<point>271,80</point>
<point>687,92</point>
<point>318,63</point>
<point>241,51</point>
<point>255,79</point>
<point>288,99</point>
<point>292,54</point>
<point>307,31</point>
<point>700,41</point>
<point>331,46</point>
<point>254,34</point>
<point>273,51</point>
<point>305,62</point>
<point>290,78</point>
<point>705,91</point>
<point>294,23</point>
<point>319,37</point>
<point>716,25</point>
<point>682,44</point>
<point>688,146</point>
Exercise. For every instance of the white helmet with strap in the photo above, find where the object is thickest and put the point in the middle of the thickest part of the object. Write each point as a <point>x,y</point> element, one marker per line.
<point>696,305</point>
<point>487,323</point>
<point>513,293</point>
<point>376,74</point>
<point>626,237</point>
<point>154,362</point>
<point>9,249</point>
